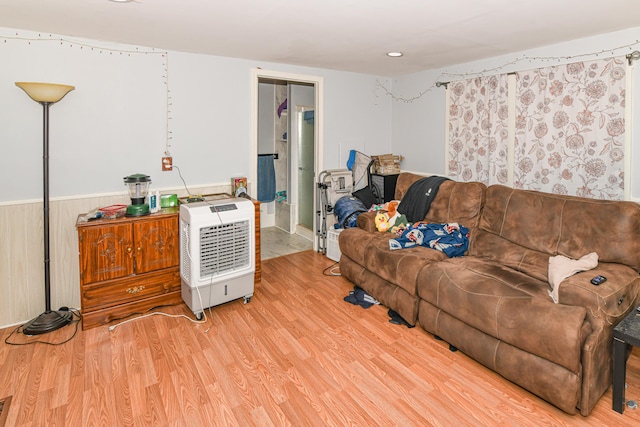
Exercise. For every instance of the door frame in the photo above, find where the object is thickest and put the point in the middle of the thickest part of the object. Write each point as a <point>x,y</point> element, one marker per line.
<point>256,75</point>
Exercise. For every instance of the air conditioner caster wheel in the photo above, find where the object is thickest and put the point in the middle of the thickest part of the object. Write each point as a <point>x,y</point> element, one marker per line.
<point>199,316</point>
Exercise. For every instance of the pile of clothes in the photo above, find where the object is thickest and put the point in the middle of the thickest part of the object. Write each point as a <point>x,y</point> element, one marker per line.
<point>450,238</point>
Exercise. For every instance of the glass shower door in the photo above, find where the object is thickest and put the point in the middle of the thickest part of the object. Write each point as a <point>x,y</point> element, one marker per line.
<point>306,162</point>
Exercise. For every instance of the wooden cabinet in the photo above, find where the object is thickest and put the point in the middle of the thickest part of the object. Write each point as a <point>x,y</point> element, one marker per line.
<point>128,265</point>
<point>257,277</point>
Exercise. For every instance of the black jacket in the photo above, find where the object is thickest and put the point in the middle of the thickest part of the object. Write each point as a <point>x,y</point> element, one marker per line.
<point>416,202</point>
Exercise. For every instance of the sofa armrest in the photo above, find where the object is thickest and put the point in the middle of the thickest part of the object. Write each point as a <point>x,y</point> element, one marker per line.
<point>611,300</point>
<point>367,221</point>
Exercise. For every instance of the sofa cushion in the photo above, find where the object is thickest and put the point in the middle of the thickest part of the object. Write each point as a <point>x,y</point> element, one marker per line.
<point>459,202</point>
<point>497,248</point>
<point>404,181</point>
<point>367,221</point>
<point>389,294</point>
<point>522,228</point>
<point>400,267</point>
<point>507,305</point>
<point>353,242</point>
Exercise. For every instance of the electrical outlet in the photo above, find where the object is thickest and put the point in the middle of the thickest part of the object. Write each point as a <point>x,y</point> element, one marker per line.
<point>167,163</point>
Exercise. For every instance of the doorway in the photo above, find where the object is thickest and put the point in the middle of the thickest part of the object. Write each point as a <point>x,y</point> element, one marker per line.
<point>301,141</point>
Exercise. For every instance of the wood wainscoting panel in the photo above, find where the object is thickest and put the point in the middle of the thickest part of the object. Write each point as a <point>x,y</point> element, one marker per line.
<point>21,249</point>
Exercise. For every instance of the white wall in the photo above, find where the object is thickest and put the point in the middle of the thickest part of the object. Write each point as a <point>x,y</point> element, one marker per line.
<point>115,124</point>
<point>419,125</point>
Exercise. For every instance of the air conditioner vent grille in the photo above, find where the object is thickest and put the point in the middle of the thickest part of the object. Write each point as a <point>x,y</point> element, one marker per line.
<point>224,248</point>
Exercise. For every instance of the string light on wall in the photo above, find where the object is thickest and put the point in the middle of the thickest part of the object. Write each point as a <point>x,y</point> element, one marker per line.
<point>81,45</point>
<point>168,134</point>
<point>451,75</point>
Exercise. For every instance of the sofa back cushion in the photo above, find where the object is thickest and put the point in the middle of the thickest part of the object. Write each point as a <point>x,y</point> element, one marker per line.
<point>522,228</point>
<point>459,202</point>
<point>404,181</point>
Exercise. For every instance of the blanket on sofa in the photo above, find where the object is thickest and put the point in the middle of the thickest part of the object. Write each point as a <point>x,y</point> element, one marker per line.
<point>452,238</point>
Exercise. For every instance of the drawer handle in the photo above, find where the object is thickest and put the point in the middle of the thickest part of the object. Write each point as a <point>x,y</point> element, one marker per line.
<point>129,249</point>
<point>135,289</point>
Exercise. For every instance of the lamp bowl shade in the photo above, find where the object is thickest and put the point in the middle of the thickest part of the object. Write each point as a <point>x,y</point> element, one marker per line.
<point>45,92</point>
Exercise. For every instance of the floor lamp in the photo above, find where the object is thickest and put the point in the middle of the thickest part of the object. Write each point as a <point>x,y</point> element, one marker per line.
<point>46,94</point>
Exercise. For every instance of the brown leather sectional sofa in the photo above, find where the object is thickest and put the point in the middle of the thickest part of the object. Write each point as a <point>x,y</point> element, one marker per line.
<point>493,303</point>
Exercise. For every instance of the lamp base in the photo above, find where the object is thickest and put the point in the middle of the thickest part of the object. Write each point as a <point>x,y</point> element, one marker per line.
<point>48,321</point>
<point>138,210</point>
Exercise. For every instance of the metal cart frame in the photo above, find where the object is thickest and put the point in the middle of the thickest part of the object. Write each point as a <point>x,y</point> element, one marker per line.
<point>333,184</point>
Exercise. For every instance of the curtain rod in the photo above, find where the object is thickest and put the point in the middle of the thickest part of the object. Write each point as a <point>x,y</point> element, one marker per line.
<point>513,73</point>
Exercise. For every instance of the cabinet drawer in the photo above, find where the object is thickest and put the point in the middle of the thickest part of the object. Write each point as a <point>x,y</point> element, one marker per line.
<point>103,316</point>
<point>128,289</point>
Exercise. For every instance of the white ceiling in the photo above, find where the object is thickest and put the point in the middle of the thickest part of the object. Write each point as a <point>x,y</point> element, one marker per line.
<point>349,35</point>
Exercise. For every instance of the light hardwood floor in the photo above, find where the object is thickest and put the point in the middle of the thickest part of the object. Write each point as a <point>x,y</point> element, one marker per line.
<point>297,354</point>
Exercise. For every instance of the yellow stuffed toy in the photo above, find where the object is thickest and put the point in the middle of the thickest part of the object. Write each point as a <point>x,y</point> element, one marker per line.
<point>382,222</point>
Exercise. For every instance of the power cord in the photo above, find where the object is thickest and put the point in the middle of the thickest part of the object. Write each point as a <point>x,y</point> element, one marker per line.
<point>188,252</point>
<point>159,313</point>
<point>184,182</point>
<point>202,307</point>
<point>174,316</point>
<point>331,270</point>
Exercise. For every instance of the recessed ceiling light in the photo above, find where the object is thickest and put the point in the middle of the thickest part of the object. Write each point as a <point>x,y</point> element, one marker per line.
<point>121,1</point>
<point>394,54</point>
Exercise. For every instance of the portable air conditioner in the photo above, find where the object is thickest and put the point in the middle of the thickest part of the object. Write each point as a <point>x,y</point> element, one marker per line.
<point>217,252</point>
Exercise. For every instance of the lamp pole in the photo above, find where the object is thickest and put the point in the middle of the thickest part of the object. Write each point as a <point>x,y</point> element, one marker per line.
<point>46,94</point>
<point>45,192</point>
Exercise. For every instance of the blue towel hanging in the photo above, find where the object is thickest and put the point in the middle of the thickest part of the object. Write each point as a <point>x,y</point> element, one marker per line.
<point>266,178</point>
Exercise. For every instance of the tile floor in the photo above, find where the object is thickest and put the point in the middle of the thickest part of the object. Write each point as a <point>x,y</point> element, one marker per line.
<point>275,242</point>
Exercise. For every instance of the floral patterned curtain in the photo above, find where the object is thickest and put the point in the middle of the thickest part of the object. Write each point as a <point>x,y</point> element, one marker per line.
<point>478,130</point>
<point>570,129</point>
